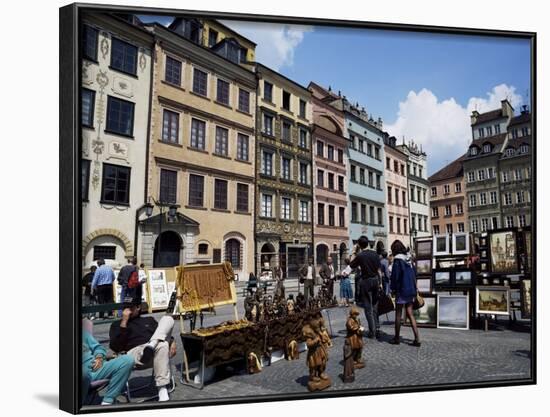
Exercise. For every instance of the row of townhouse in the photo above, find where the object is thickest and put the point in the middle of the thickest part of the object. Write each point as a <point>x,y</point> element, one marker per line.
<point>193,152</point>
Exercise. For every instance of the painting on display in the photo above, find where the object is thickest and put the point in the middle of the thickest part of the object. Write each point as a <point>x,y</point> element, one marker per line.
<point>423,249</point>
<point>494,300</point>
<point>461,244</point>
<point>158,289</point>
<point>503,251</point>
<point>453,312</point>
<point>442,278</point>
<point>463,277</point>
<point>426,316</point>
<point>525,298</point>
<point>424,285</point>
<point>441,245</point>
<point>424,267</point>
<point>527,243</point>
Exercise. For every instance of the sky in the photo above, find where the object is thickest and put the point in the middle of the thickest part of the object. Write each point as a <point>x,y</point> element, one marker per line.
<point>423,86</point>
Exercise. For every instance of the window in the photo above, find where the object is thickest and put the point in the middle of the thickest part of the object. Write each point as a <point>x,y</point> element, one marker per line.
<point>378,181</point>
<point>376,152</point>
<point>268,124</point>
<point>168,186</point>
<point>494,223</point>
<point>341,216</point>
<point>302,108</point>
<point>170,126</point>
<point>398,225</point>
<point>521,220</point>
<point>364,214</point>
<point>89,47</point>
<point>362,175</point>
<point>419,194</point>
<point>267,205</point>
<point>508,199</point>
<point>473,200</point>
<point>304,211</point>
<point>116,184</point>
<point>483,199</point>
<point>493,197</point>
<point>340,156</point>
<point>403,169</point>
<point>517,175</point>
<point>490,172</point>
<point>196,190</point>
<point>405,230</point>
<point>120,116</point>
<point>352,173</point>
<point>489,130</point>
<point>473,151</point>
<point>369,149</point>
<point>242,147</point>
<point>267,163</point>
<point>320,149</point>
<point>520,197</point>
<point>244,101</point>
<point>484,224</point>
<point>330,152</point>
<point>320,178</point>
<point>304,173</point>
<point>268,91</point>
<point>487,148</point>
<point>481,132</point>
<point>435,211</point>
<point>515,134</point>
<point>331,216</point>
<point>505,176</point>
<point>509,152</point>
<point>475,226</point>
<point>286,132</point>
<point>242,197</point>
<point>198,129</point>
<point>458,187</point>
<point>524,131</point>
<point>471,176</point>
<point>524,149</point>
<point>459,208</point>
<point>371,183</point>
<point>354,212</point>
<point>460,227</point>
<point>361,146</point>
<point>390,195</point>
<point>446,189</point>
<point>222,92</point>
<point>396,197</point>
<point>84,179</point>
<point>448,211</point>
<point>372,220</point>
<point>200,82</point>
<point>412,193</point>
<point>449,228</point>
<point>172,71</point>
<point>497,129</point>
<point>481,174</point>
<point>404,198</point>
<point>388,163</point>
<point>320,214</point>
<point>88,106</point>
<point>303,138</point>
<point>220,194</point>
<point>233,253</point>
<point>286,100</point>
<point>434,191</point>
<point>242,54</point>
<point>509,221</point>
<point>340,183</point>
<point>285,208</point>
<point>331,180</point>
<point>203,249</point>
<point>285,168</point>
<point>221,141</point>
<point>391,224</point>
<point>212,37</point>
<point>104,252</point>
<point>216,256</point>
<point>380,219</point>
<point>436,229</point>
<point>123,56</point>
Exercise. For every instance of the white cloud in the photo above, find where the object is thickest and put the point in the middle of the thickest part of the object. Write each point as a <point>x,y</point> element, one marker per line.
<point>275,42</point>
<point>443,127</point>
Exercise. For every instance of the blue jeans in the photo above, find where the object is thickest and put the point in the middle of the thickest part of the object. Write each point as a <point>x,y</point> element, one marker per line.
<point>117,371</point>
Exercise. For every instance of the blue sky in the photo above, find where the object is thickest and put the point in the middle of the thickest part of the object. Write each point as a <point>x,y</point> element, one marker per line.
<point>424,86</point>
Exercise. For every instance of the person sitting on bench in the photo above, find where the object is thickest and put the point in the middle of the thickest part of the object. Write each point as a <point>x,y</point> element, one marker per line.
<point>95,367</point>
<point>149,342</point>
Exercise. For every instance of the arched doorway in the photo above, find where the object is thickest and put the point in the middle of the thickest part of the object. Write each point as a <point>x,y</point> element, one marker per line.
<point>233,253</point>
<point>322,254</point>
<point>167,250</point>
<point>266,254</point>
<point>343,252</point>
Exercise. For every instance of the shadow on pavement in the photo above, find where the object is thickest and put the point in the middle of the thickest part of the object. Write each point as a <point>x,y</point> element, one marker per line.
<point>50,399</point>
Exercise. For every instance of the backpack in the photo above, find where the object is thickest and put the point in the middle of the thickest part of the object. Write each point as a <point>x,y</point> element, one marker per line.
<point>133,281</point>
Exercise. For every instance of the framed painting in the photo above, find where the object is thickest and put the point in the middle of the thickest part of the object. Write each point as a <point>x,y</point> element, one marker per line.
<point>453,312</point>
<point>441,245</point>
<point>423,248</point>
<point>504,258</point>
<point>427,315</point>
<point>423,266</point>
<point>424,285</point>
<point>463,277</point>
<point>525,292</point>
<point>461,243</point>
<point>442,278</point>
<point>493,300</point>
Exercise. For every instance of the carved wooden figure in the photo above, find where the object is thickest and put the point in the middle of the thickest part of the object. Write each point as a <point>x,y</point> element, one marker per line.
<point>355,337</point>
<point>317,356</point>
<point>349,366</point>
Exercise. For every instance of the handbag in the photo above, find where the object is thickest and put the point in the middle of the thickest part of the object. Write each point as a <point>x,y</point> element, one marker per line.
<point>385,303</point>
<point>418,302</point>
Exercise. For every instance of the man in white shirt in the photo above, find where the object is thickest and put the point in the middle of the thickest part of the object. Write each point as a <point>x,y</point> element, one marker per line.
<point>327,274</point>
<point>307,277</point>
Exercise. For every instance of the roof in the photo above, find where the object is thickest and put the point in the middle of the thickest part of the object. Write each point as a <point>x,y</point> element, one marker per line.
<point>181,219</point>
<point>496,141</point>
<point>517,142</point>
<point>487,117</point>
<point>522,118</point>
<point>259,65</point>
<point>453,170</point>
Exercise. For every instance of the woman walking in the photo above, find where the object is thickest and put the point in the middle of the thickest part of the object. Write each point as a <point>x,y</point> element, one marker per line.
<point>403,286</point>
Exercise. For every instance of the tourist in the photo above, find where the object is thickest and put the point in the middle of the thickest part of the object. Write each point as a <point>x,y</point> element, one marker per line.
<point>102,284</point>
<point>96,367</point>
<point>307,277</point>
<point>327,275</point>
<point>369,284</point>
<point>346,292</point>
<point>385,270</point>
<point>123,277</point>
<point>146,340</point>
<point>403,286</point>
<point>87,286</point>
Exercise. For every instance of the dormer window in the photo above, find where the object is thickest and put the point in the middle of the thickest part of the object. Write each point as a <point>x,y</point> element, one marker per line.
<point>487,148</point>
<point>481,132</point>
<point>473,151</point>
<point>489,131</point>
<point>524,148</point>
<point>510,152</point>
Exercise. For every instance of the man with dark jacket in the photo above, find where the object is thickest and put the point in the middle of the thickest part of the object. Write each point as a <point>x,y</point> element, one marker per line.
<point>147,341</point>
<point>328,275</point>
<point>369,262</point>
<point>123,277</point>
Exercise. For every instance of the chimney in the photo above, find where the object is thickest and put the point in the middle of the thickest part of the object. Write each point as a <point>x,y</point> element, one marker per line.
<point>329,88</point>
<point>339,93</point>
<point>473,117</point>
<point>524,109</point>
<point>507,109</point>
<point>380,122</point>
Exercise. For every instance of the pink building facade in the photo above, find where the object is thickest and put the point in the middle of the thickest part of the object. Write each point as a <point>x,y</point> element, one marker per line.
<point>330,194</point>
<point>397,199</point>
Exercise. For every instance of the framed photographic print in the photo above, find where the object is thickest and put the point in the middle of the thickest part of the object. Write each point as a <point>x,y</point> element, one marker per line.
<point>423,266</point>
<point>200,151</point>
<point>453,312</point>
<point>525,291</point>
<point>493,300</point>
<point>462,277</point>
<point>423,248</point>
<point>504,257</point>
<point>441,245</point>
<point>461,243</point>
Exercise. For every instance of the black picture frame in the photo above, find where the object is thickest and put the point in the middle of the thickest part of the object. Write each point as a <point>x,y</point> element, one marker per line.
<point>423,248</point>
<point>441,285</point>
<point>70,218</point>
<point>458,272</point>
<point>494,237</point>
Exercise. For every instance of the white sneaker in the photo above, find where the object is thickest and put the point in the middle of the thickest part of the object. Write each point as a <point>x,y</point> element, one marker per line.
<point>163,394</point>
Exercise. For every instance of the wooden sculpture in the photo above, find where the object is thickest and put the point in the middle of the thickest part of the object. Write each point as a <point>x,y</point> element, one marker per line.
<point>317,356</point>
<point>355,337</point>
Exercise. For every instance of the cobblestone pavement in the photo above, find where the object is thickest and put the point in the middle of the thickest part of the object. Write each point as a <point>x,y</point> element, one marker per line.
<point>446,356</point>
